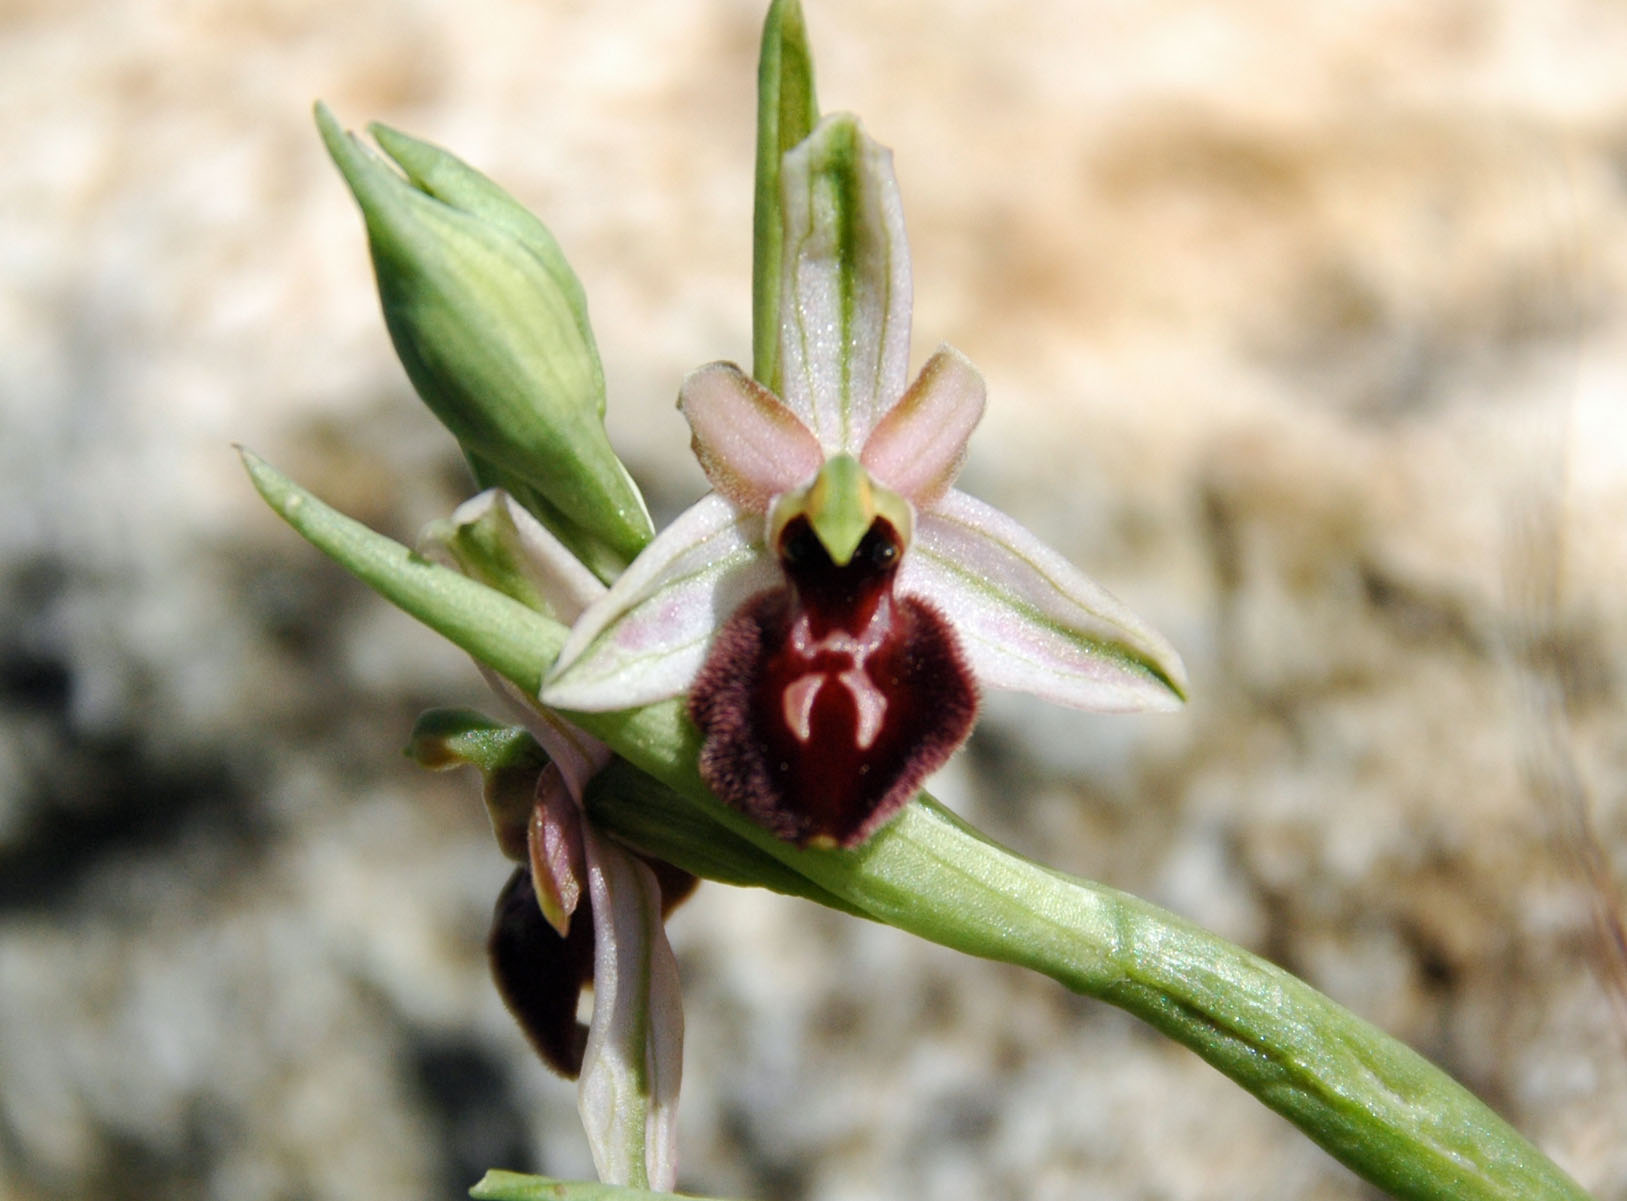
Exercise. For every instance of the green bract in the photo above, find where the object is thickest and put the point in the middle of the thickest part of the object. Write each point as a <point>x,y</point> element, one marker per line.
<point>491,325</point>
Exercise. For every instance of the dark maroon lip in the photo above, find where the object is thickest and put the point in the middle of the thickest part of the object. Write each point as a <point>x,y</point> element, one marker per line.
<point>541,973</point>
<point>826,702</point>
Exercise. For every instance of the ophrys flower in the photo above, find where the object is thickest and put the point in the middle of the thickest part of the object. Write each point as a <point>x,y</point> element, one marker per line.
<point>834,604</point>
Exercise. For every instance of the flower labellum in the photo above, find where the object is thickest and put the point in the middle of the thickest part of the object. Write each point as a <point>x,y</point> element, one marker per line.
<point>833,606</point>
<point>826,702</point>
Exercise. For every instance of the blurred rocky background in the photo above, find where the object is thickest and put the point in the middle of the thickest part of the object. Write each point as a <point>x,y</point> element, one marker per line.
<point>1305,328</point>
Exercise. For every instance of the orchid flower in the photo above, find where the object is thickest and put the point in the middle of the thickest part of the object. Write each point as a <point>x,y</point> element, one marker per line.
<point>833,606</point>
<point>628,1059</point>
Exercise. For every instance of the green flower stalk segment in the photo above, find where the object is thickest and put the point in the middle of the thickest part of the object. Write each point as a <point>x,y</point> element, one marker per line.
<point>786,113</point>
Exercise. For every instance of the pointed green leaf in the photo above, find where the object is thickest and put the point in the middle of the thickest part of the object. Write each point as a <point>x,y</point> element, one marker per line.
<point>786,113</point>
<point>491,329</point>
<point>514,641</point>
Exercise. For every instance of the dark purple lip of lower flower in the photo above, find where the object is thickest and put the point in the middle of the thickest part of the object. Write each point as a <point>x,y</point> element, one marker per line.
<point>825,703</point>
<point>541,974</point>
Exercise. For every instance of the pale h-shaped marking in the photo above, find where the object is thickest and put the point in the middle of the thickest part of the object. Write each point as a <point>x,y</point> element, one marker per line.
<point>846,657</point>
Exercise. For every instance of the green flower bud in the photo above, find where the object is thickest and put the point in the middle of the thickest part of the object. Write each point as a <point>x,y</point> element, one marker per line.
<point>492,327</point>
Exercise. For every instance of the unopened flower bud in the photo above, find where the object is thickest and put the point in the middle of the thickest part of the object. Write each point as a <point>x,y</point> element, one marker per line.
<point>491,325</point>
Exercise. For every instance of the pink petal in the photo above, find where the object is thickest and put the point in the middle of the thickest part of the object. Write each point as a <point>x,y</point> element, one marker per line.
<point>628,1093</point>
<point>845,284</point>
<point>750,445</point>
<point>554,846</point>
<point>646,639</point>
<point>918,447</point>
<point>1028,620</point>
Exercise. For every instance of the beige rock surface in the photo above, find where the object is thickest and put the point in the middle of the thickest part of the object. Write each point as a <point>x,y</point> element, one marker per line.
<point>1305,332</point>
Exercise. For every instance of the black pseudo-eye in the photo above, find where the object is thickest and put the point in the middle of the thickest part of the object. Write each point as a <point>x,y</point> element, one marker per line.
<point>880,546</point>
<point>800,545</point>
